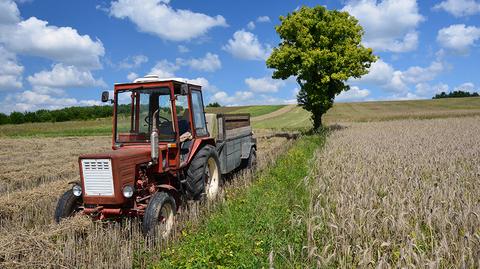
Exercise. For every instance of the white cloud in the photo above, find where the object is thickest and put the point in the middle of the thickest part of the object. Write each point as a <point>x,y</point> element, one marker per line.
<point>164,69</point>
<point>245,45</point>
<point>428,91</point>
<point>466,87</point>
<point>459,8</point>
<point>263,19</point>
<point>182,49</point>
<point>32,101</point>
<point>209,63</point>
<point>384,75</point>
<point>251,25</point>
<point>389,25</point>
<point>237,98</point>
<point>354,94</point>
<point>132,76</point>
<point>158,18</point>
<point>458,37</point>
<point>133,62</point>
<point>9,12</point>
<point>10,71</point>
<point>63,44</point>
<point>264,85</point>
<point>62,76</point>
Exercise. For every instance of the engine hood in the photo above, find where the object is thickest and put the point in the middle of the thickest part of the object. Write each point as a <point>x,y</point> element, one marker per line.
<point>124,165</point>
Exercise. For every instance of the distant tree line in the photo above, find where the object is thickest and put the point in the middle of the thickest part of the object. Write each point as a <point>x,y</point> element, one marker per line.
<point>214,104</point>
<point>455,94</point>
<point>64,114</point>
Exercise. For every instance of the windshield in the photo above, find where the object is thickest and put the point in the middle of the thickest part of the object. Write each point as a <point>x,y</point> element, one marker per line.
<point>134,115</point>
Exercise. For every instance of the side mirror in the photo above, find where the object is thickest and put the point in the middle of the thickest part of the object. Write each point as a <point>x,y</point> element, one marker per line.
<point>105,96</point>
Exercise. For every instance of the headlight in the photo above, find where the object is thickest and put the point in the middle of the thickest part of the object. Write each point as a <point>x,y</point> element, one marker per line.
<point>77,190</point>
<point>128,191</point>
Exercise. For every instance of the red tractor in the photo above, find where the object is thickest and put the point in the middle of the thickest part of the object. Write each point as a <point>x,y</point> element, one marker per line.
<point>165,151</point>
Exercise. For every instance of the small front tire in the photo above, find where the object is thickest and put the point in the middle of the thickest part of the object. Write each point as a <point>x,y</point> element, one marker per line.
<point>159,216</point>
<point>67,206</point>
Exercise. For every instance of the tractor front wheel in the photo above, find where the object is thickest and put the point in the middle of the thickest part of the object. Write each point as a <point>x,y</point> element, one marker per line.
<point>67,206</point>
<point>160,215</point>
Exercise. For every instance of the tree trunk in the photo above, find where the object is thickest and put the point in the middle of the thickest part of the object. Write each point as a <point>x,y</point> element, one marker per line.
<point>317,119</point>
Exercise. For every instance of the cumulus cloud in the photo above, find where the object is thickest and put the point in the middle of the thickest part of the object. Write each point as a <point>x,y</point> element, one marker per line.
<point>245,45</point>
<point>384,75</point>
<point>263,19</point>
<point>389,25</point>
<point>63,44</point>
<point>426,90</point>
<point>251,25</point>
<point>32,101</point>
<point>158,18</point>
<point>164,69</point>
<point>354,94</point>
<point>182,49</point>
<point>132,76</point>
<point>459,8</point>
<point>458,37</point>
<point>133,62</point>
<point>9,12</point>
<point>10,71</point>
<point>264,85</point>
<point>466,87</point>
<point>209,63</point>
<point>237,98</point>
<point>62,76</point>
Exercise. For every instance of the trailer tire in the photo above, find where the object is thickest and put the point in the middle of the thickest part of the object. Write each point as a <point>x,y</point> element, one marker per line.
<point>67,206</point>
<point>200,174</point>
<point>161,208</point>
<point>252,159</point>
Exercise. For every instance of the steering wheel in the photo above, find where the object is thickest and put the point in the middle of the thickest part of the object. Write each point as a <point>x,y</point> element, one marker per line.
<point>148,121</point>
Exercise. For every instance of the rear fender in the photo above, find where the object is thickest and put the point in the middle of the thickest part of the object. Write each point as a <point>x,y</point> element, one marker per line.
<point>246,147</point>
<point>198,144</point>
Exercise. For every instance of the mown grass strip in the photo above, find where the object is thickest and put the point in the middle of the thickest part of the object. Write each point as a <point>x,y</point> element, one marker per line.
<point>258,222</point>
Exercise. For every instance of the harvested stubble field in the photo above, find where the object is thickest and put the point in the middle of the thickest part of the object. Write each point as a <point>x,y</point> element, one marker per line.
<point>397,194</point>
<point>37,172</point>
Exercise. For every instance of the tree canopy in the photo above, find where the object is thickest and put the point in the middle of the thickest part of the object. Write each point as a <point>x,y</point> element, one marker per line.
<point>455,94</point>
<point>322,49</point>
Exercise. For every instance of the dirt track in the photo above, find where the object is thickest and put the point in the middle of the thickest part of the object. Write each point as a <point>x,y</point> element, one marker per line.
<point>275,113</point>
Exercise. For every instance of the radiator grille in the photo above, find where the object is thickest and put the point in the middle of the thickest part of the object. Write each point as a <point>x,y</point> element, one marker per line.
<point>97,177</point>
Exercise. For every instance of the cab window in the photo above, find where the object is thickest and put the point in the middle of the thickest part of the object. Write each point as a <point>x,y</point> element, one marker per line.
<point>198,113</point>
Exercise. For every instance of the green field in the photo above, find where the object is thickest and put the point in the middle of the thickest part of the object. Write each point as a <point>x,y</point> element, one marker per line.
<point>296,118</point>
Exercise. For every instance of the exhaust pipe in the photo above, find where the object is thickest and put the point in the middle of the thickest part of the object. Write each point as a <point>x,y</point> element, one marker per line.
<point>154,139</point>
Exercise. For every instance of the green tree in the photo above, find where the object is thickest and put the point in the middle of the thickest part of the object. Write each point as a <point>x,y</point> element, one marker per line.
<point>323,49</point>
<point>214,104</point>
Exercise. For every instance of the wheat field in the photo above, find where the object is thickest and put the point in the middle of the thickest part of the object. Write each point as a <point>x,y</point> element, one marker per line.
<point>36,171</point>
<point>397,194</point>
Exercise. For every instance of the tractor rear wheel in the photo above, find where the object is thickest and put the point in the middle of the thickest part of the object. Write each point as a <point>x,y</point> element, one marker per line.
<point>67,206</point>
<point>203,175</point>
<point>160,215</point>
<point>252,159</point>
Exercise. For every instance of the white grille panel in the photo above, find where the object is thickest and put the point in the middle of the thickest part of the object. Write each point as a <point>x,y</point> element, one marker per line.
<point>97,177</point>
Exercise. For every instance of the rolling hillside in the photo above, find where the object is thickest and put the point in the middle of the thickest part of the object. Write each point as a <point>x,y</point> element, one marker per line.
<point>280,116</point>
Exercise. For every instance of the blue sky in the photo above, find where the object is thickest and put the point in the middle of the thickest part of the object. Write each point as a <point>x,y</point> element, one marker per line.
<point>63,53</point>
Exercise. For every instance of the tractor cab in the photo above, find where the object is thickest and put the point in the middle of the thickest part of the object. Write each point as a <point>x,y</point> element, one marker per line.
<point>175,106</point>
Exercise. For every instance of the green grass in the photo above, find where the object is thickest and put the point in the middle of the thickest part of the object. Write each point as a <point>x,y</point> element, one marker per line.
<point>258,220</point>
<point>377,111</point>
<point>253,110</point>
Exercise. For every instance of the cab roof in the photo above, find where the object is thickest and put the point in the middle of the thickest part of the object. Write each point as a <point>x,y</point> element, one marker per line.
<point>155,78</point>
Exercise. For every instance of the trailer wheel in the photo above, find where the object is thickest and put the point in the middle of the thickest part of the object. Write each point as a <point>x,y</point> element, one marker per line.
<point>252,159</point>
<point>160,215</point>
<point>203,174</point>
<point>67,206</point>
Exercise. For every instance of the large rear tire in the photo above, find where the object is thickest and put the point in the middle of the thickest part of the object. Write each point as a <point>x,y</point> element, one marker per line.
<point>203,175</point>
<point>159,216</point>
<point>67,206</point>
